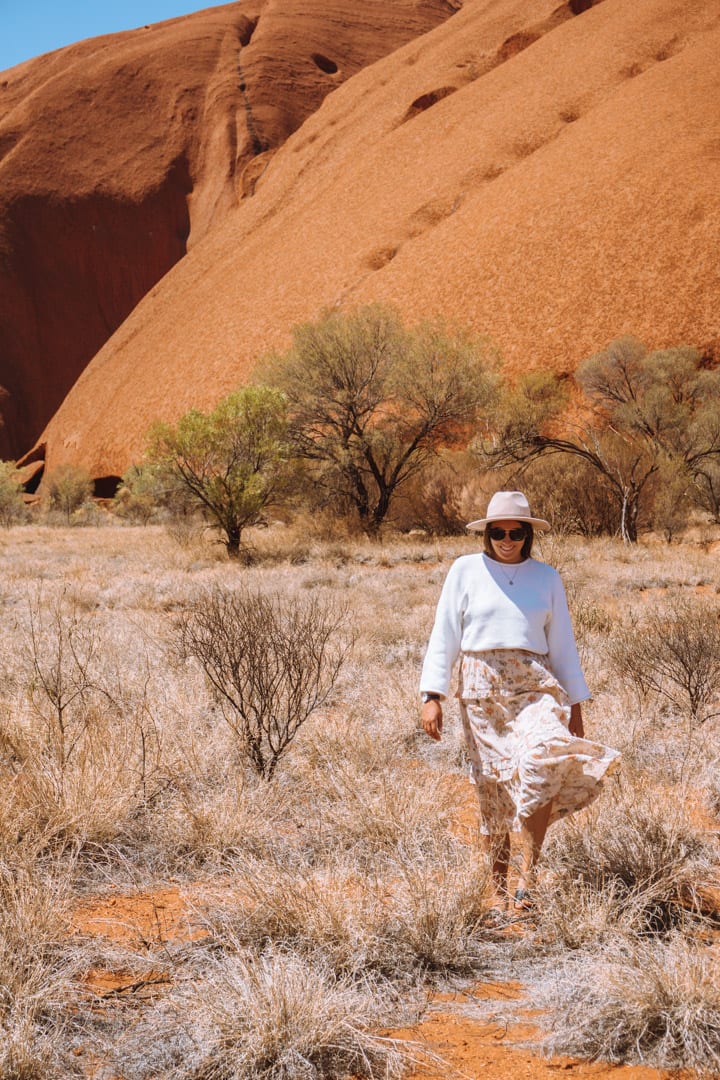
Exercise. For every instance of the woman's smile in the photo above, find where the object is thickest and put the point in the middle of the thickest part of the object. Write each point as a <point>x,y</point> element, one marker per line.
<point>507,550</point>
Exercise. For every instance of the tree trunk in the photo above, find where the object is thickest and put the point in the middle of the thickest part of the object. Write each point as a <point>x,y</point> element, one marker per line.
<point>629,517</point>
<point>381,508</point>
<point>232,541</point>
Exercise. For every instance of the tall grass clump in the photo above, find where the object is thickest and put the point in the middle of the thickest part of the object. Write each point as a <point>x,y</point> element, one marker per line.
<point>424,916</point>
<point>646,1002</point>
<point>267,1017</point>
<point>80,737</point>
<point>35,972</point>
<point>634,863</point>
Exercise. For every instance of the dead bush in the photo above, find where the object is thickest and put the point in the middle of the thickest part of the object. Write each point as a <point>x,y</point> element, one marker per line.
<point>62,648</point>
<point>86,754</point>
<point>673,652</point>
<point>271,661</point>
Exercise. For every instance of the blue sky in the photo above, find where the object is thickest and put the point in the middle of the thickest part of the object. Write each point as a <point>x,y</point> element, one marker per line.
<point>31,27</point>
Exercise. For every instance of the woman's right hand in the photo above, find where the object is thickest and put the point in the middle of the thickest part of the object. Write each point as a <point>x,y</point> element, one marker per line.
<point>431,719</point>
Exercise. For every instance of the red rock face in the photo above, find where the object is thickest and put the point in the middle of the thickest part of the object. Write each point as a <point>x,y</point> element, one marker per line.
<point>546,173</point>
<point>120,153</point>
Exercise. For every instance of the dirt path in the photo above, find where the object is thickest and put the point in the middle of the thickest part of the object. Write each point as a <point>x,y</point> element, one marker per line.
<point>468,1031</point>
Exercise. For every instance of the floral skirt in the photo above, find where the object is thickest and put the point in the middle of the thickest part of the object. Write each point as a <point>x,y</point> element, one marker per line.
<point>515,715</point>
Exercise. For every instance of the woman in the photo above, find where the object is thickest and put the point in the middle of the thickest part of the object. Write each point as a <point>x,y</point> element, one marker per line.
<point>520,688</point>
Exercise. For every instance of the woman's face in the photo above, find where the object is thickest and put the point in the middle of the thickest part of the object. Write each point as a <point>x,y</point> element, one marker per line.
<point>505,549</point>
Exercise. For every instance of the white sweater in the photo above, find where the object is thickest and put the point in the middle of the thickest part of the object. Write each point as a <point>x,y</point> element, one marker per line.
<point>480,610</point>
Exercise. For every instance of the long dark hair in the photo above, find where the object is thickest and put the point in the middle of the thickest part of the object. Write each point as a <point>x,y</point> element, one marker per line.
<point>525,550</point>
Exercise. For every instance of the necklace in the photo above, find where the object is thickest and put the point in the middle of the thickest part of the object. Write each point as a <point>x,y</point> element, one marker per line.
<point>510,579</point>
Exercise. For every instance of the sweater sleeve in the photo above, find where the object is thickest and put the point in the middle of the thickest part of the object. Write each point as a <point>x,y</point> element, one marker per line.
<point>444,645</point>
<point>562,650</point>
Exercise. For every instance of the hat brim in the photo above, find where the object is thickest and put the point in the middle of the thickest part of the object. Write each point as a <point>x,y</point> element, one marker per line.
<point>537,523</point>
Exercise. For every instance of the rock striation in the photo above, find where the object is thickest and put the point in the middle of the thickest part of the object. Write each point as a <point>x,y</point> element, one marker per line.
<point>548,173</point>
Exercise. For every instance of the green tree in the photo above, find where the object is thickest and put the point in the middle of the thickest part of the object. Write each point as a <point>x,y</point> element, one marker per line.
<point>639,414</point>
<point>232,461</point>
<point>12,506</point>
<point>371,401</point>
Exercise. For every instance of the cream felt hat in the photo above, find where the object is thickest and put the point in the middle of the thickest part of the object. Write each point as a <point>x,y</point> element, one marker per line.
<point>509,506</point>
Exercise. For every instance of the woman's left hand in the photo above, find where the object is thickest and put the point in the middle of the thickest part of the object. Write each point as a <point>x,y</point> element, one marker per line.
<point>576,726</point>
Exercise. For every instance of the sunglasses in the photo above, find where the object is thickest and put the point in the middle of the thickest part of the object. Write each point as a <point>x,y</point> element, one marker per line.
<point>514,534</point>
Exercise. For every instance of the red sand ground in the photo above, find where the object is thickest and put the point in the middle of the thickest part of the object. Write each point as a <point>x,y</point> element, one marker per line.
<point>548,173</point>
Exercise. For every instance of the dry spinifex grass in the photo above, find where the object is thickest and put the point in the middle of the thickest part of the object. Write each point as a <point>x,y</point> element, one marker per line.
<point>36,967</point>
<point>653,1001</point>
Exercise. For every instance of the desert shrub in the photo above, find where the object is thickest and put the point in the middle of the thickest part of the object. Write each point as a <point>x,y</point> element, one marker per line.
<point>87,755</point>
<point>632,861</point>
<point>650,1002</point>
<point>641,411</point>
<point>434,500</point>
<point>672,491</point>
<point>89,513</point>
<point>62,648</point>
<point>674,651</point>
<point>66,489</point>
<point>12,506</point>
<point>706,490</point>
<point>372,401</point>
<point>271,661</point>
<point>140,495</point>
